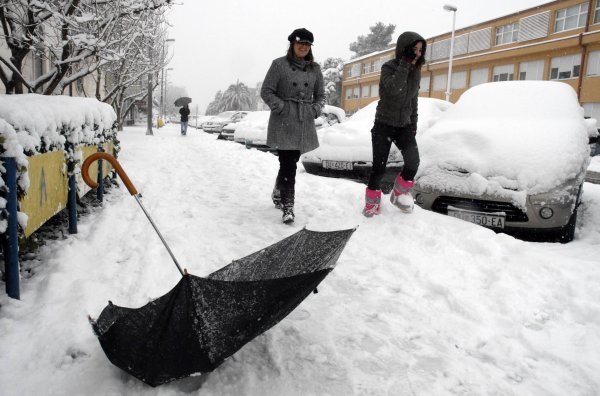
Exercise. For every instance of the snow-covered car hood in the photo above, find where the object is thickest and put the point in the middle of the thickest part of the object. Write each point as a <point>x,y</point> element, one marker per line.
<point>253,127</point>
<point>351,139</point>
<point>527,136</point>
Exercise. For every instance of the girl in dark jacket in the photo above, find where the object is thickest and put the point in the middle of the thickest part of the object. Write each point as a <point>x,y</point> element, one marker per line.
<point>396,122</point>
<point>293,89</point>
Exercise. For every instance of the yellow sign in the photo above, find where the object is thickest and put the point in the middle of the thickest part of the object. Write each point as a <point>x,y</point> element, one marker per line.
<point>49,186</point>
<point>48,189</point>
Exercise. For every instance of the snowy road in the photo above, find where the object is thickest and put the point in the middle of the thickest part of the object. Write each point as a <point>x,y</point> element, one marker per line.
<point>419,304</point>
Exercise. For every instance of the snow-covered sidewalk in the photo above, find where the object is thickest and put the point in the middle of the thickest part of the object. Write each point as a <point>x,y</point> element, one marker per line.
<point>418,304</point>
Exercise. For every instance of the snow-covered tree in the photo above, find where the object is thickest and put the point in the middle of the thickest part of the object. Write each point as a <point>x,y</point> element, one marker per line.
<point>332,78</point>
<point>378,40</point>
<point>77,37</point>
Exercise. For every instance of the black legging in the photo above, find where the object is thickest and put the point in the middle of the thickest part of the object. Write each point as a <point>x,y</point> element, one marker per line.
<point>286,178</point>
<point>382,136</point>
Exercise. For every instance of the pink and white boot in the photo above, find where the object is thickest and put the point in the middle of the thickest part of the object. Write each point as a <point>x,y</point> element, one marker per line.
<point>372,203</point>
<point>401,196</point>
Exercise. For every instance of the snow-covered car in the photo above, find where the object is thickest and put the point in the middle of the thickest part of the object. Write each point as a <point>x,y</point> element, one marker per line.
<point>220,120</point>
<point>228,131</point>
<point>197,121</point>
<point>345,148</point>
<point>330,115</point>
<point>510,156</point>
<point>252,131</point>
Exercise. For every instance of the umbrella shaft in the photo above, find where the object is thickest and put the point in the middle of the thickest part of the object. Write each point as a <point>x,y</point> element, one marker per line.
<point>159,234</point>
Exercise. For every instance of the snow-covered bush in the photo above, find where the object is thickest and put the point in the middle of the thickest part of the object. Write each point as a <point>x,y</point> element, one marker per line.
<point>33,124</point>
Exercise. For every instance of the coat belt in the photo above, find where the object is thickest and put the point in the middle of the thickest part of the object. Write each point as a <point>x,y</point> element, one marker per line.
<point>300,107</point>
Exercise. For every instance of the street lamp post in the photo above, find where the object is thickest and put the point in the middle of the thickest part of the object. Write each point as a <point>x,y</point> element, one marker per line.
<point>452,9</point>
<point>149,98</point>
<point>162,79</point>
<point>166,86</point>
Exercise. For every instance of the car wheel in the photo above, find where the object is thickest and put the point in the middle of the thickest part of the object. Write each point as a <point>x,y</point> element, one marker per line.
<point>567,233</point>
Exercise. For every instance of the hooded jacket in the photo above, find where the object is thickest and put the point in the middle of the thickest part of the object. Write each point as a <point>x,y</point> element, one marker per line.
<point>399,86</point>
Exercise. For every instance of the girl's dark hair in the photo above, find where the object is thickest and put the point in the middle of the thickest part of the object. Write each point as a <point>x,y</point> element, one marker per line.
<point>421,59</point>
<point>290,55</point>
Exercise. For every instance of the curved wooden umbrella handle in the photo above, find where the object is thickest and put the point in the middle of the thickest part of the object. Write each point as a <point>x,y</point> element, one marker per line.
<point>113,161</point>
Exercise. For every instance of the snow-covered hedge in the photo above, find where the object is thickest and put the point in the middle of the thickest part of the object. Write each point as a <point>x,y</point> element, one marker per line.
<point>33,124</point>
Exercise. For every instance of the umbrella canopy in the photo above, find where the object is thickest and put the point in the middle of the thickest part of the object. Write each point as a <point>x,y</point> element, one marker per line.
<point>183,101</point>
<point>202,321</point>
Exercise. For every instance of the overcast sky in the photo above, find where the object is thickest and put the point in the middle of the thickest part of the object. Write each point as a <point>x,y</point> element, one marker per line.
<point>221,41</point>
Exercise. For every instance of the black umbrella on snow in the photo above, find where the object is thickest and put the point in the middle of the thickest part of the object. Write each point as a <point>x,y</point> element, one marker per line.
<point>202,321</point>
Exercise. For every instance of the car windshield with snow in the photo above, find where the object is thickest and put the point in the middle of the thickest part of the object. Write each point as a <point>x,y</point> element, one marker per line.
<point>345,148</point>
<point>510,156</point>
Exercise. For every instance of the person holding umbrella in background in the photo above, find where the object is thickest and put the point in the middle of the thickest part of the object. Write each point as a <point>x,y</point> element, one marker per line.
<point>185,112</point>
<point>294,91</point>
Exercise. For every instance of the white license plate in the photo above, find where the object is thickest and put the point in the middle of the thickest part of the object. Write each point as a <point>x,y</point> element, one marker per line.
<point>338,165</point>
<point>483,219</point>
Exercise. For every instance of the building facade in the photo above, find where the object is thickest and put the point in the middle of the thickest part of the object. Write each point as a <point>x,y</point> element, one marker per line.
<point>557,41</point>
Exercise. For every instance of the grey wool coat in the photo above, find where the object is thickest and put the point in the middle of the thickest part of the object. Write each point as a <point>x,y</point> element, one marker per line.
<point>295,94</point>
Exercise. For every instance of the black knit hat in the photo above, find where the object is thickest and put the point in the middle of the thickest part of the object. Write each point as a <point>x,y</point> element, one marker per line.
<point>302,36</point>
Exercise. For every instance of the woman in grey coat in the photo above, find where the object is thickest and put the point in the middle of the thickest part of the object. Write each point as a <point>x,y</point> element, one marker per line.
<point>293,90</point>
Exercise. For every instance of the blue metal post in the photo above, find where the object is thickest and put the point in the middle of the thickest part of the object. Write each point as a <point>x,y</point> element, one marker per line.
<point>72,200</point>
<point>11,248</point>
<point>100,189</point>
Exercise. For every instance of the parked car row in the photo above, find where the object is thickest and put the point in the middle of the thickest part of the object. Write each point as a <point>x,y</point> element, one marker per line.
<point>499,157</point>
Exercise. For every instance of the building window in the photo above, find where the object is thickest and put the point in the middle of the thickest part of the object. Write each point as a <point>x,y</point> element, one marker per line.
<point>570,18</point>
<point>424,85</point>
<point>592,110</point>
<point>533,70</point>
<point>459,80</point>
<point>349,93</point>
<point>355,92</point>
<point>365,68</point>
<point>354,70</point>
<point>504,73</point>
<point>478,76</point>
<point>507,34</point>
<point>565,67</point>
<point>377,65</point>
<point>374,90</point>
<point>440,82</point>
<point>365,91</point>
<point>597,12</point>
<point>593,65</point>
